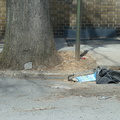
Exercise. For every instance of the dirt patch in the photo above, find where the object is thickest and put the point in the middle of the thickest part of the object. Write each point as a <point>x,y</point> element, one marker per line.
<point>86,90</point>
<point>93,90</point>
<point>69,63</point>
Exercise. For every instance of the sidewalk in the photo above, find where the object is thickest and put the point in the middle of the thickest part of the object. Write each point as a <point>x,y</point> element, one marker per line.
<point>106,52</point>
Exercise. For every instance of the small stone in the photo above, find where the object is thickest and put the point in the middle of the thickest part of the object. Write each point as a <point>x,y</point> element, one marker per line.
<point>28,66</point>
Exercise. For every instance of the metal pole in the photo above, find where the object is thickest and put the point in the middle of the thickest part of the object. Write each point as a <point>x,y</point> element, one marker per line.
<point>77,47</point>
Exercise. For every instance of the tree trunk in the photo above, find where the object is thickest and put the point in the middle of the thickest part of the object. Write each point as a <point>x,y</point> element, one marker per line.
<point>29,37</point>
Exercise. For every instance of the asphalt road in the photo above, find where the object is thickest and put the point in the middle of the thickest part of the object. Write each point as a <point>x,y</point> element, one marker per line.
<point>35,99</point>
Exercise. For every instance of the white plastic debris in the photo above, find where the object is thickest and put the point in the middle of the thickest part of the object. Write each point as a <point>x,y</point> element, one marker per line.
<point>28,66</point>
<point>104,98</point>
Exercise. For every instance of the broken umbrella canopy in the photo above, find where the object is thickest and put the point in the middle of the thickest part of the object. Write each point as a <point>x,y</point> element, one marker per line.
<point>105,76</point>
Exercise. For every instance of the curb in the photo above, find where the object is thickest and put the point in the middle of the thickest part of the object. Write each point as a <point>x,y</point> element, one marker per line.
<point>47,74</point>
<point>37,74</point>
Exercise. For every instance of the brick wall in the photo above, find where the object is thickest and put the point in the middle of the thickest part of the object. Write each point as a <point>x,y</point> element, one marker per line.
<point>95,14</point>
<point>2,17</point>
<point>63,15</point>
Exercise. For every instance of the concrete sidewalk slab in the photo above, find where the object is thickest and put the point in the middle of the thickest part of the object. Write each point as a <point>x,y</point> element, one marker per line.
<point>105,53</point>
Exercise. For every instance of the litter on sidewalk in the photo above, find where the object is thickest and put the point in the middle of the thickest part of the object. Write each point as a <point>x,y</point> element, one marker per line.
<point>100,75</point>
<point>106,76</point>
<point>83,78</point>
<point>104,98</point>
<point>87,78</point>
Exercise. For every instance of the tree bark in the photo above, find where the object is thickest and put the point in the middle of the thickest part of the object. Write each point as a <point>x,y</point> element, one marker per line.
<point>29,37</point>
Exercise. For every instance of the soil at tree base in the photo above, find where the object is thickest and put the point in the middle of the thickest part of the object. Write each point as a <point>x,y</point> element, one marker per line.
<point>70,64</point>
